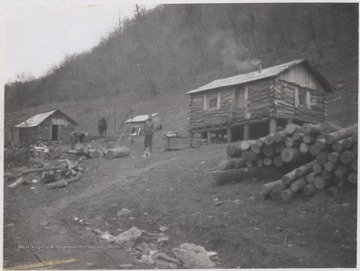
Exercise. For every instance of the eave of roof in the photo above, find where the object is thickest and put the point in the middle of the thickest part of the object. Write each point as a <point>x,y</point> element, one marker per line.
<point>39,118</point>
<point>140,118</point>
<point>265,73</point>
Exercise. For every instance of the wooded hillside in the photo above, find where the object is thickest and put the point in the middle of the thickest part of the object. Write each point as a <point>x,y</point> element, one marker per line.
<point>174,48</point>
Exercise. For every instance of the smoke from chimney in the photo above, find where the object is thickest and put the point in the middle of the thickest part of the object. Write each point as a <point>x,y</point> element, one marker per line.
<point>237,56</point>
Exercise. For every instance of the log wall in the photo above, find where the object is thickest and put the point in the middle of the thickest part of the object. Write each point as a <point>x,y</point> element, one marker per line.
<point>284,103</point>
<point>28,135</point>
<point>200,118</point>
<point>258,104</point>
<point>44,131</point>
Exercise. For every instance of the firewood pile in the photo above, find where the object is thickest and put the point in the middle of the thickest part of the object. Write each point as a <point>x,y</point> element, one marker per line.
<point>321,156</point>
<point>59,174</point>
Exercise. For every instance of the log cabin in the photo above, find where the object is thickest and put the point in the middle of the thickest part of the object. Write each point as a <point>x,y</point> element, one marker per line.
<point>53,125</point>
<point>252,105</point>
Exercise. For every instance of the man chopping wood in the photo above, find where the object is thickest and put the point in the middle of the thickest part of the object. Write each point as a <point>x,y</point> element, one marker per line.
<point>148,132</point>
<point>77,137</point>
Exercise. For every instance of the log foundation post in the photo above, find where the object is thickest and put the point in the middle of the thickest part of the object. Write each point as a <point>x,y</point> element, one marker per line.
<point>191,136</point>
<point>246,131</point>
<point>272,126</point>
<point>229,135</point>
<point>209,137</point>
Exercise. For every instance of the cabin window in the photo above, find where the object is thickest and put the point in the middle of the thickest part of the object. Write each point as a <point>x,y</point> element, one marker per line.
<point>133,131</point>
<point>212,101</point>
<point>302,99</point>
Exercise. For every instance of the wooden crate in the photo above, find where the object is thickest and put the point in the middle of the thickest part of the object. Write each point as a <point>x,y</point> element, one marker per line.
<point>177,143</point>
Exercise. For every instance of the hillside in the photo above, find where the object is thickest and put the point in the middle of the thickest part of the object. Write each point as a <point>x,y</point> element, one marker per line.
<point>160,54</point>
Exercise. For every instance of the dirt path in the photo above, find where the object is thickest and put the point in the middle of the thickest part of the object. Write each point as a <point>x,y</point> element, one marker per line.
<point>172,189</point>
<point>48,236</point>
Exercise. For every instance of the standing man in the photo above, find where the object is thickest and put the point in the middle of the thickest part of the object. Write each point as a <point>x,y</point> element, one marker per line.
<point>77,137</point>
<point>148,131</point>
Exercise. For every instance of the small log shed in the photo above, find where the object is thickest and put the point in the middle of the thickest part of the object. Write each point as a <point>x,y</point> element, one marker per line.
<point>53,125</point>
<point>137,124</point>
<point>254,104</point>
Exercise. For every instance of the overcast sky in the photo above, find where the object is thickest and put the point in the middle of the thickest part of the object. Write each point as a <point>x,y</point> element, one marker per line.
<point>39,33</point>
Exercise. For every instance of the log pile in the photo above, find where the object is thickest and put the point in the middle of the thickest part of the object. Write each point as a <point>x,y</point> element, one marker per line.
<point>333,165</point>
<point>320,156</point>
<point>57,176</point>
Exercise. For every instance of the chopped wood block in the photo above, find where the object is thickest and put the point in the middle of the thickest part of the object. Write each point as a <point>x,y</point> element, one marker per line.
<point>304,169</point>
<point>268,161</point>
<point>311,129</point>
<point>348,143</point>
<point>313,150</point>
<point>269,140</point>
<point>298,136</point>
<point>304,148</point>
<point>338,146</point>
<point>341,171</point>
<point>333,157</point>
<point>322,158</point>
<point>326,175</point>
<point>269,151</point>
<point>222,177</point>
<point>340,134</point>
<point>352,178</point>
<point>330,166</point>
<point>310,177</point>
<point>308,139</point>
<point>309,189</point>
<point>327,128</point>
<point>279,136</point>
<point>255,148</point>
<point>317,167</point>
<point>293,155</point>
<point>268,187</point>
<point>289,177</point>
<point>347,157</point>
<point>287,194</point>
<point>293,128</point>
<point>298,184</point>
<point>321,183</point>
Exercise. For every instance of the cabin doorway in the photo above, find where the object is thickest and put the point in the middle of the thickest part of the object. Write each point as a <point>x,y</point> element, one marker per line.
<point>55,132</point>
<point>240,98</point>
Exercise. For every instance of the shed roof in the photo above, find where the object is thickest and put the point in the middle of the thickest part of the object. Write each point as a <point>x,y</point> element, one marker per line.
<point>265,73</point>
<point>140,118</point>
<point>39,118</point>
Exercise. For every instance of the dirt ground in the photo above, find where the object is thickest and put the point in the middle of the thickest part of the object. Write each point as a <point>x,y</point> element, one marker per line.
<point>173,189</point>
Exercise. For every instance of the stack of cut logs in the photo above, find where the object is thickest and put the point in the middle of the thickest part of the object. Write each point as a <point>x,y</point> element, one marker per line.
<point>325,156</point>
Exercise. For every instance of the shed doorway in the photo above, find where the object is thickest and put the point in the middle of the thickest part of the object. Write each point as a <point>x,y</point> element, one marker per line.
<point>54,132</point>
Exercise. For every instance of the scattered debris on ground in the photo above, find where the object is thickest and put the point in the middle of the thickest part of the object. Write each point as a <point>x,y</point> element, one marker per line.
<point>151,249</point>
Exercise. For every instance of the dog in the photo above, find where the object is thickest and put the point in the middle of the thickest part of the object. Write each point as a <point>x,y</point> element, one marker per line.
<point>147,153</point>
